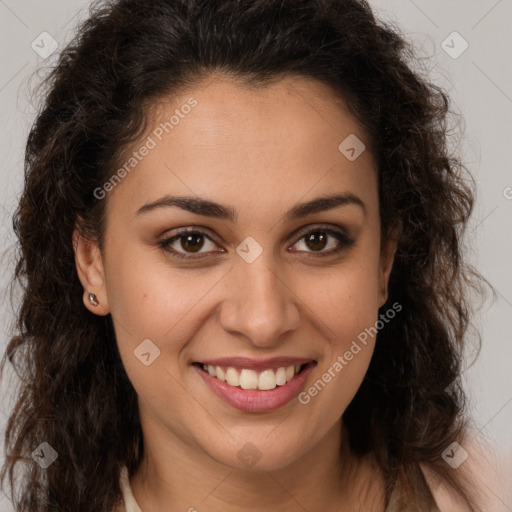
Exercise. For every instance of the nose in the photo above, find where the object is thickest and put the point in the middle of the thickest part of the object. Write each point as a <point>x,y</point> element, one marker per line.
<point>260,306</point>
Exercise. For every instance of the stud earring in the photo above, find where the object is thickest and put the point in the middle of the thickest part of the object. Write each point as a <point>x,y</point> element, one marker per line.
<point>93,300</point>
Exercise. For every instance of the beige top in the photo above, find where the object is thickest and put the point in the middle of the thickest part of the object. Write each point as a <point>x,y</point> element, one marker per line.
<point>130,505</point>
<point>423,500</point>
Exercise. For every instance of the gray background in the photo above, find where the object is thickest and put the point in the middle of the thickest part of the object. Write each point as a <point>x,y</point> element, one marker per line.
<point>480,84</point>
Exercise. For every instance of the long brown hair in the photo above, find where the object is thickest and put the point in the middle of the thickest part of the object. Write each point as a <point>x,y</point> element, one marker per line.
<point>74,393</point>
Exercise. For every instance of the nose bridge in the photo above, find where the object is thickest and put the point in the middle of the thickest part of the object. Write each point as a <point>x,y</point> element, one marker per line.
<point>259,304</point>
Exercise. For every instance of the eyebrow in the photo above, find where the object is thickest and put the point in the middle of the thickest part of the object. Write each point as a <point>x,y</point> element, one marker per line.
<point>212,209</point>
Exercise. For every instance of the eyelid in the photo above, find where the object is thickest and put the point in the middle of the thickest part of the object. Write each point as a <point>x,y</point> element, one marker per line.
<point>168,240</point>
<point>192,229</point>
<point>333,231</point>
<point>329,228</point>
<point>344,239</point>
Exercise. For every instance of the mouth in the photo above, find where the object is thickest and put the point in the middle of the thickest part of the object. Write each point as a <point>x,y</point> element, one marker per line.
<point>246,378</point>
<point>255,386</point>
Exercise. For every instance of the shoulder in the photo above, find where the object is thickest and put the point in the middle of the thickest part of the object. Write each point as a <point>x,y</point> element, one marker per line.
<point>484,470</point>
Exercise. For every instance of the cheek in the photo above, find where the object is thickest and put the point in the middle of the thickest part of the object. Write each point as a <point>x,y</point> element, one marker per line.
<point>150,299</point>
<point>345,306</point>
<point>346,299</point>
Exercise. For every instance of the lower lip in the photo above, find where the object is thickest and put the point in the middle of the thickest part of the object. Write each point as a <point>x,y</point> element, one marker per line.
<point>256,400</point>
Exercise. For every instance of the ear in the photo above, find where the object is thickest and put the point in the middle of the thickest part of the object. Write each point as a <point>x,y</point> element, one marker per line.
<point>91,272</point>
<point>387,257</point>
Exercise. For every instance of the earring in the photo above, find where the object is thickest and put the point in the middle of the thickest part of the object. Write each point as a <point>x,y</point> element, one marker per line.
<point>93,300</point>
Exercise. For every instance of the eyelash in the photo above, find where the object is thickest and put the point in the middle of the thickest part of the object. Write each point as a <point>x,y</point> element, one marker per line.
<point>344,242</point>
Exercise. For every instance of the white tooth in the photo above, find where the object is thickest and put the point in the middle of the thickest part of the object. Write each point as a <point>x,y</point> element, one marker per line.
<point>290,373</point>
<point>281,376</point>
<point>297,368</point>
<point>248,379</point>
<point>267,380</point>
<point>220,373</point>
<point>232,377</point>
<point>211,370</point>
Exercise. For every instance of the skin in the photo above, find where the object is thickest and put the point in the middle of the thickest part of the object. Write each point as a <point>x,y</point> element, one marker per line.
<point>260,151</point>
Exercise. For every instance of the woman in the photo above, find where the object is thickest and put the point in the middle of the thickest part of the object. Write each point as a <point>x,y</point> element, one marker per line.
<point>308,356</point>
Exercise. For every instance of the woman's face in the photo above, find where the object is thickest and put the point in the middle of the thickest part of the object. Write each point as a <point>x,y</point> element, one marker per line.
<point>271,277</point>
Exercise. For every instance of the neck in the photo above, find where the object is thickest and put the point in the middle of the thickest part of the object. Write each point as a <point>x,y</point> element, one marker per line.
<point>326,475</point>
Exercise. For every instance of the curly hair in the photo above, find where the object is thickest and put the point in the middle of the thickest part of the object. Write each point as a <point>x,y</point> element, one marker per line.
<point>74,392</point>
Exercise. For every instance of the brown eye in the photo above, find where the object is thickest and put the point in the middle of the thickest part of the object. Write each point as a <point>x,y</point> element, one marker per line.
<point>189,242</point>
<point>316,241</point>
<point>192,242</point>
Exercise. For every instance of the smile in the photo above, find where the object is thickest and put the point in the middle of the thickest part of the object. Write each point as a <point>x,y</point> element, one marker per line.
<point>251,379</point>
<point>255,386</point>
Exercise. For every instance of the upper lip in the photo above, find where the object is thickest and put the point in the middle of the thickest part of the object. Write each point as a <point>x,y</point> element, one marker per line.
<point>255,364</point>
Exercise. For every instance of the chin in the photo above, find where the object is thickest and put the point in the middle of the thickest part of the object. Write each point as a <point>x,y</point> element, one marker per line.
<point>259,452</point>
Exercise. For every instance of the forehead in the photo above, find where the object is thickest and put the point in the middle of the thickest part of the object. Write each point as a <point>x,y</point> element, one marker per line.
<point>222,136</point>
<point>296,108</point>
